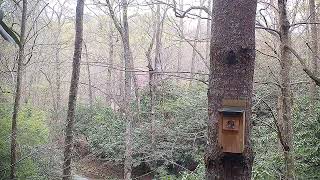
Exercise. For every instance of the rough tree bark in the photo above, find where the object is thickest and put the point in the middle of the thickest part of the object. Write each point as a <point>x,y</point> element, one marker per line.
<point>314,46</point>
<point>285,97</point>
<point>232,57</point>
<point>16,105</point>
<point>73,91</point>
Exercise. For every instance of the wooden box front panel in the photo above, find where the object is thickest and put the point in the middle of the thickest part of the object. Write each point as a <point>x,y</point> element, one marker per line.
<point>231,139</point>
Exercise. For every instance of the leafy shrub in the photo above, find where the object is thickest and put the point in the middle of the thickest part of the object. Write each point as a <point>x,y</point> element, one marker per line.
<point>32,133</point>
<point>181,116</point>
<point>307,139</point>
<point>268,163</point>
<point>104,130</point>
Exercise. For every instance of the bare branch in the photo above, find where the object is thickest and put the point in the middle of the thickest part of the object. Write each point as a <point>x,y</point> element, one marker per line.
<point>275,57</point>
<point>304,66</point>
<point>279,131</point>
<point>304,23</point>
<point>270,30</point>
<point>114,18</point>
<point>182,14</point>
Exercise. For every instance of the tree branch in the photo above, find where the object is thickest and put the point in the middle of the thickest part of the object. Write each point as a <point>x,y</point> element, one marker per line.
<point>270,30</point>
<point>114,18</point>
<point>303,23</point>
<point>304,66</point>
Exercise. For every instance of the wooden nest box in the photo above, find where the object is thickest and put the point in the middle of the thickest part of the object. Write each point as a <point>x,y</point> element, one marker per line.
<point>232,126</point>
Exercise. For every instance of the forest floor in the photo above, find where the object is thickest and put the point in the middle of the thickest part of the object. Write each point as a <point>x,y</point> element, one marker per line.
<point>94,169</point>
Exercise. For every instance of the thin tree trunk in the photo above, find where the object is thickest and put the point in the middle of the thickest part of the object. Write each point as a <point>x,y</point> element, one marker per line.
<point>157,59</point>
<point>121,78</point>
<point>180,42</point>
<point>13,173</point>
<point>128,86</point>
<point>110,80</point>
<point>153,76</point>
<point>136,89</point>
<point>232,57</point>
<point>285,101</point>
<point>58,76</point>
<point>152,90</point>
<point>314,46</point>
<point>208,33</point>
<point>129,76</point>
<point>73,91</point>
<point>89,79</point>
<point>194,53</point>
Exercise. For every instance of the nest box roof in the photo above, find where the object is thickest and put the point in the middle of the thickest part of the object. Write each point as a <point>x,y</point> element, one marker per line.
<point>231,110</point>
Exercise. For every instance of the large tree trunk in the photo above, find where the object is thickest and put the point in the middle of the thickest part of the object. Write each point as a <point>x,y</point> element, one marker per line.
<point>16,105</point>
<point>232,57</point>
<point>285,97</point>
<point>73,91</point>
<point>314,46</point>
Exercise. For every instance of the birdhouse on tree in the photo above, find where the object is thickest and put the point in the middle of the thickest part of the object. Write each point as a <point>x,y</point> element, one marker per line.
<point>232,126</point>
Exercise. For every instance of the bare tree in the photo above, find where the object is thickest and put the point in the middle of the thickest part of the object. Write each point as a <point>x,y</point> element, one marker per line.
<point>152,90</point>
<point>194,52</point>
<point>231,77</point>
<point>154,77</point>
<point>57,61</point>
<point>314,46</point>
<point>89,78</point>
<point>73,91</point>
<point>285,97</point>
<point>110,77</point>
<point>181,26</point>
<point>123,30</point>
<point>21,58</point>
<point>208,32</point>
<point>158,42</point>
